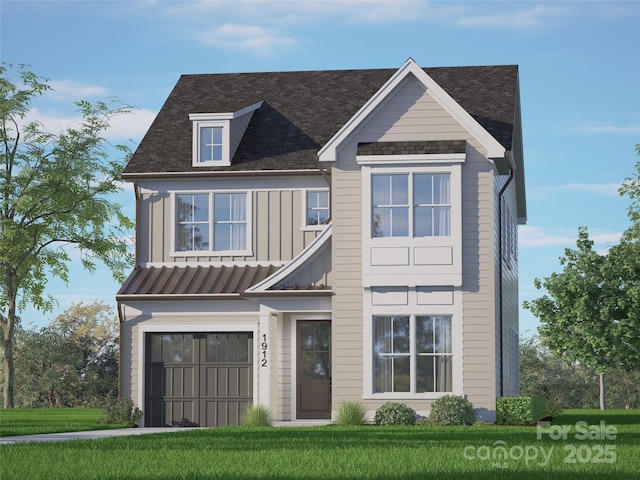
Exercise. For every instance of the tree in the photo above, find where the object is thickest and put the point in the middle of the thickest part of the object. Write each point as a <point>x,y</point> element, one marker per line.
<point>591,312</point>
<point>56,191</point>
<point>71,362</point>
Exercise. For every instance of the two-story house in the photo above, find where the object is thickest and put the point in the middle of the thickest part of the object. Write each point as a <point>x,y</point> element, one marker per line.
<point>305,238</point>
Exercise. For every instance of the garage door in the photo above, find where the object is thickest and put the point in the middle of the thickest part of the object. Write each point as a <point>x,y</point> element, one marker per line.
<point>198,379</point>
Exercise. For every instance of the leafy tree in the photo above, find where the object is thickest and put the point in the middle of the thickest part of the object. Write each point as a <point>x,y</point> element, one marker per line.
<point>71,362</point>
<point>55,191</point>
<point>570,385</point>
<point>591,312</point>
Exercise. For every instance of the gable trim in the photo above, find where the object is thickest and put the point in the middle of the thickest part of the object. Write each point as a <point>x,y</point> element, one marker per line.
<point>291,267</point>
<point>328,153</point>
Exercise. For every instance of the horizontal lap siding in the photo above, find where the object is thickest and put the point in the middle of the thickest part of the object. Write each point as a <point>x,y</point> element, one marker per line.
<point>478,280</point>
<point>347,274</point>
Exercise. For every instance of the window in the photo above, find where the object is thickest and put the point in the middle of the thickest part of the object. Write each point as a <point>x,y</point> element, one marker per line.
<point>211,140</point>
<point>210,144</point>
<point>192,222</point>
<point>318,212</point>
<point>432,205</point>
<point>204,220</point>
<point>172,348</point>
<point>430,208</point>
<point>412,353</point>
<point>230,221</point>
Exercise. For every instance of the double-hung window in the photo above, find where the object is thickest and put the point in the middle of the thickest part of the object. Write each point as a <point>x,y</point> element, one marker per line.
<point>412,354</point>
<point>411,205</point>
<point>210,144</point>
<point>318,212</point>
<point>213,222</point>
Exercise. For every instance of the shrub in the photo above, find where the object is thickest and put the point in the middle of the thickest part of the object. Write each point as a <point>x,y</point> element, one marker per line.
<point>520,410</point>
<point>121,411</point>
<point>350,413</point>
<point>256,416</point>
<point>554,407</point>
<point>452,410</point>
<point>393,413</point>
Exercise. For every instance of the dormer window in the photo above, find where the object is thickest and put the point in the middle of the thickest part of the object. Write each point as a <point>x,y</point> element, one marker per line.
<point>211,144</point>
<point>216,135</point>
<point>211,139</point>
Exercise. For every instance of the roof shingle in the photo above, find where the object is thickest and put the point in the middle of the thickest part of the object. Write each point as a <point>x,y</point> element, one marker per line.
<point>302,111</point>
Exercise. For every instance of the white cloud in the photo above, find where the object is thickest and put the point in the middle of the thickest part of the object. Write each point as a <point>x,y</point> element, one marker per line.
<point>69,89</point>
<point>535,17</point>
<point>252,38</point>
<point>529,236</point>
<point>132,125</point>
<point>604,129</point>
<point>592,188</point>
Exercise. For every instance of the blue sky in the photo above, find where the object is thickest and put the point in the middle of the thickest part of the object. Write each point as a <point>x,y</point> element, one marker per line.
<point>579,77</point>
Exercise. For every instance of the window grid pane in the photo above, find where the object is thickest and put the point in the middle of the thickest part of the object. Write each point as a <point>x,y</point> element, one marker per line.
<point>230,222</point>
<point>317,208</point>
<point>390,206</point>
<point>392,352</point>
<point>432,205</point>
<point>210,144</point>
<point>192,222</point>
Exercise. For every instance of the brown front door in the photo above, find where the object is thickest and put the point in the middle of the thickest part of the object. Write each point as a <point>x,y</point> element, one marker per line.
<point>314,369</point>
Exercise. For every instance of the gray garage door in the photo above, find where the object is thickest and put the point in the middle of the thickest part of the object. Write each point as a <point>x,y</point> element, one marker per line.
<point>198,379</point>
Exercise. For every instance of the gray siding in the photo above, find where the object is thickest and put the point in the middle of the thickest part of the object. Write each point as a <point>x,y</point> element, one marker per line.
<point>412,114</point>
<point>278,233</point>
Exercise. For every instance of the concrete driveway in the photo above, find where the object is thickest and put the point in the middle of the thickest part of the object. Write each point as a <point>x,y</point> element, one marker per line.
<point>91,435</point>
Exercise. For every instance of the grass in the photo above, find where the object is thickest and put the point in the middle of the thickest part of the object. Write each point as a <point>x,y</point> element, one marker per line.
<point>29,421</point>
<point>336,452</point>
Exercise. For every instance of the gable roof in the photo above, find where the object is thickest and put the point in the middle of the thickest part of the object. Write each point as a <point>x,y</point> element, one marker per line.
<point>302,111</point>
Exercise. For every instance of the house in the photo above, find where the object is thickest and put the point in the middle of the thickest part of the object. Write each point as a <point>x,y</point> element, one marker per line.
<point>306,238</point>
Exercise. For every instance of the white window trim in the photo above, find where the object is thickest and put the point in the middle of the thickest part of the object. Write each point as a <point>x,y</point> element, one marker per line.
<point>306,227</point>
<point>211,252</point>
<point>226,140</point>
<point>454,238</point>
<point>412,308</point>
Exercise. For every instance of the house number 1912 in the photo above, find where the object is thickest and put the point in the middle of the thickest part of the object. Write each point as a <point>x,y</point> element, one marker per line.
<point>264,346</point>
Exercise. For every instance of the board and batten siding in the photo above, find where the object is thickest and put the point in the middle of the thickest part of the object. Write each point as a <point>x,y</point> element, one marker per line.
<point>277,230</point>
<point>412,114</point>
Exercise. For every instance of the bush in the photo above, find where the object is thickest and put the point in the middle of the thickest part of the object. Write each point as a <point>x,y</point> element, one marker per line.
<point>393,413</point>
<point>452,410</point>
<point>554,408</point>
<point>520,410</point>
<point>121,411</point>
<point>350,413</point>
<point>256,416</point>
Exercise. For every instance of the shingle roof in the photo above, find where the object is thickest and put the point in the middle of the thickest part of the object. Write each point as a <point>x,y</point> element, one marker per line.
<point>412,148</point>
<point>302,111</point>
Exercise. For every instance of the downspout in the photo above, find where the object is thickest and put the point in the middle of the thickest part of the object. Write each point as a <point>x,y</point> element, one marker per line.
<point>136,190</point>
<point>500,270</point>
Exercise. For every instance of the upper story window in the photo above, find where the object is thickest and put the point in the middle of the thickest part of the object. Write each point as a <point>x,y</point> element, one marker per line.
<point>211,141</point>
<point>210,144</point>
<point>410,205</point>
<point>211,222</point>
<point>317,208</point>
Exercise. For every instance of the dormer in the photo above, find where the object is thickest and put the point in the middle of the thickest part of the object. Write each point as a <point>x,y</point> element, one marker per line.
<point>216,136</point>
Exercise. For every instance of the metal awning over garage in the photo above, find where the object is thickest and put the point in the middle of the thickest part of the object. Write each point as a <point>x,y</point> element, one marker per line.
<point>196,282</point>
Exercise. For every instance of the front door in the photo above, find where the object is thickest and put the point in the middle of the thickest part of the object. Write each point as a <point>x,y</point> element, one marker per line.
<point>313,369</point>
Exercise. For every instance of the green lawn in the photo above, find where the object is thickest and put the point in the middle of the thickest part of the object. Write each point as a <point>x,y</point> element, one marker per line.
<point>368,452</point>
<point>29,421</point>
